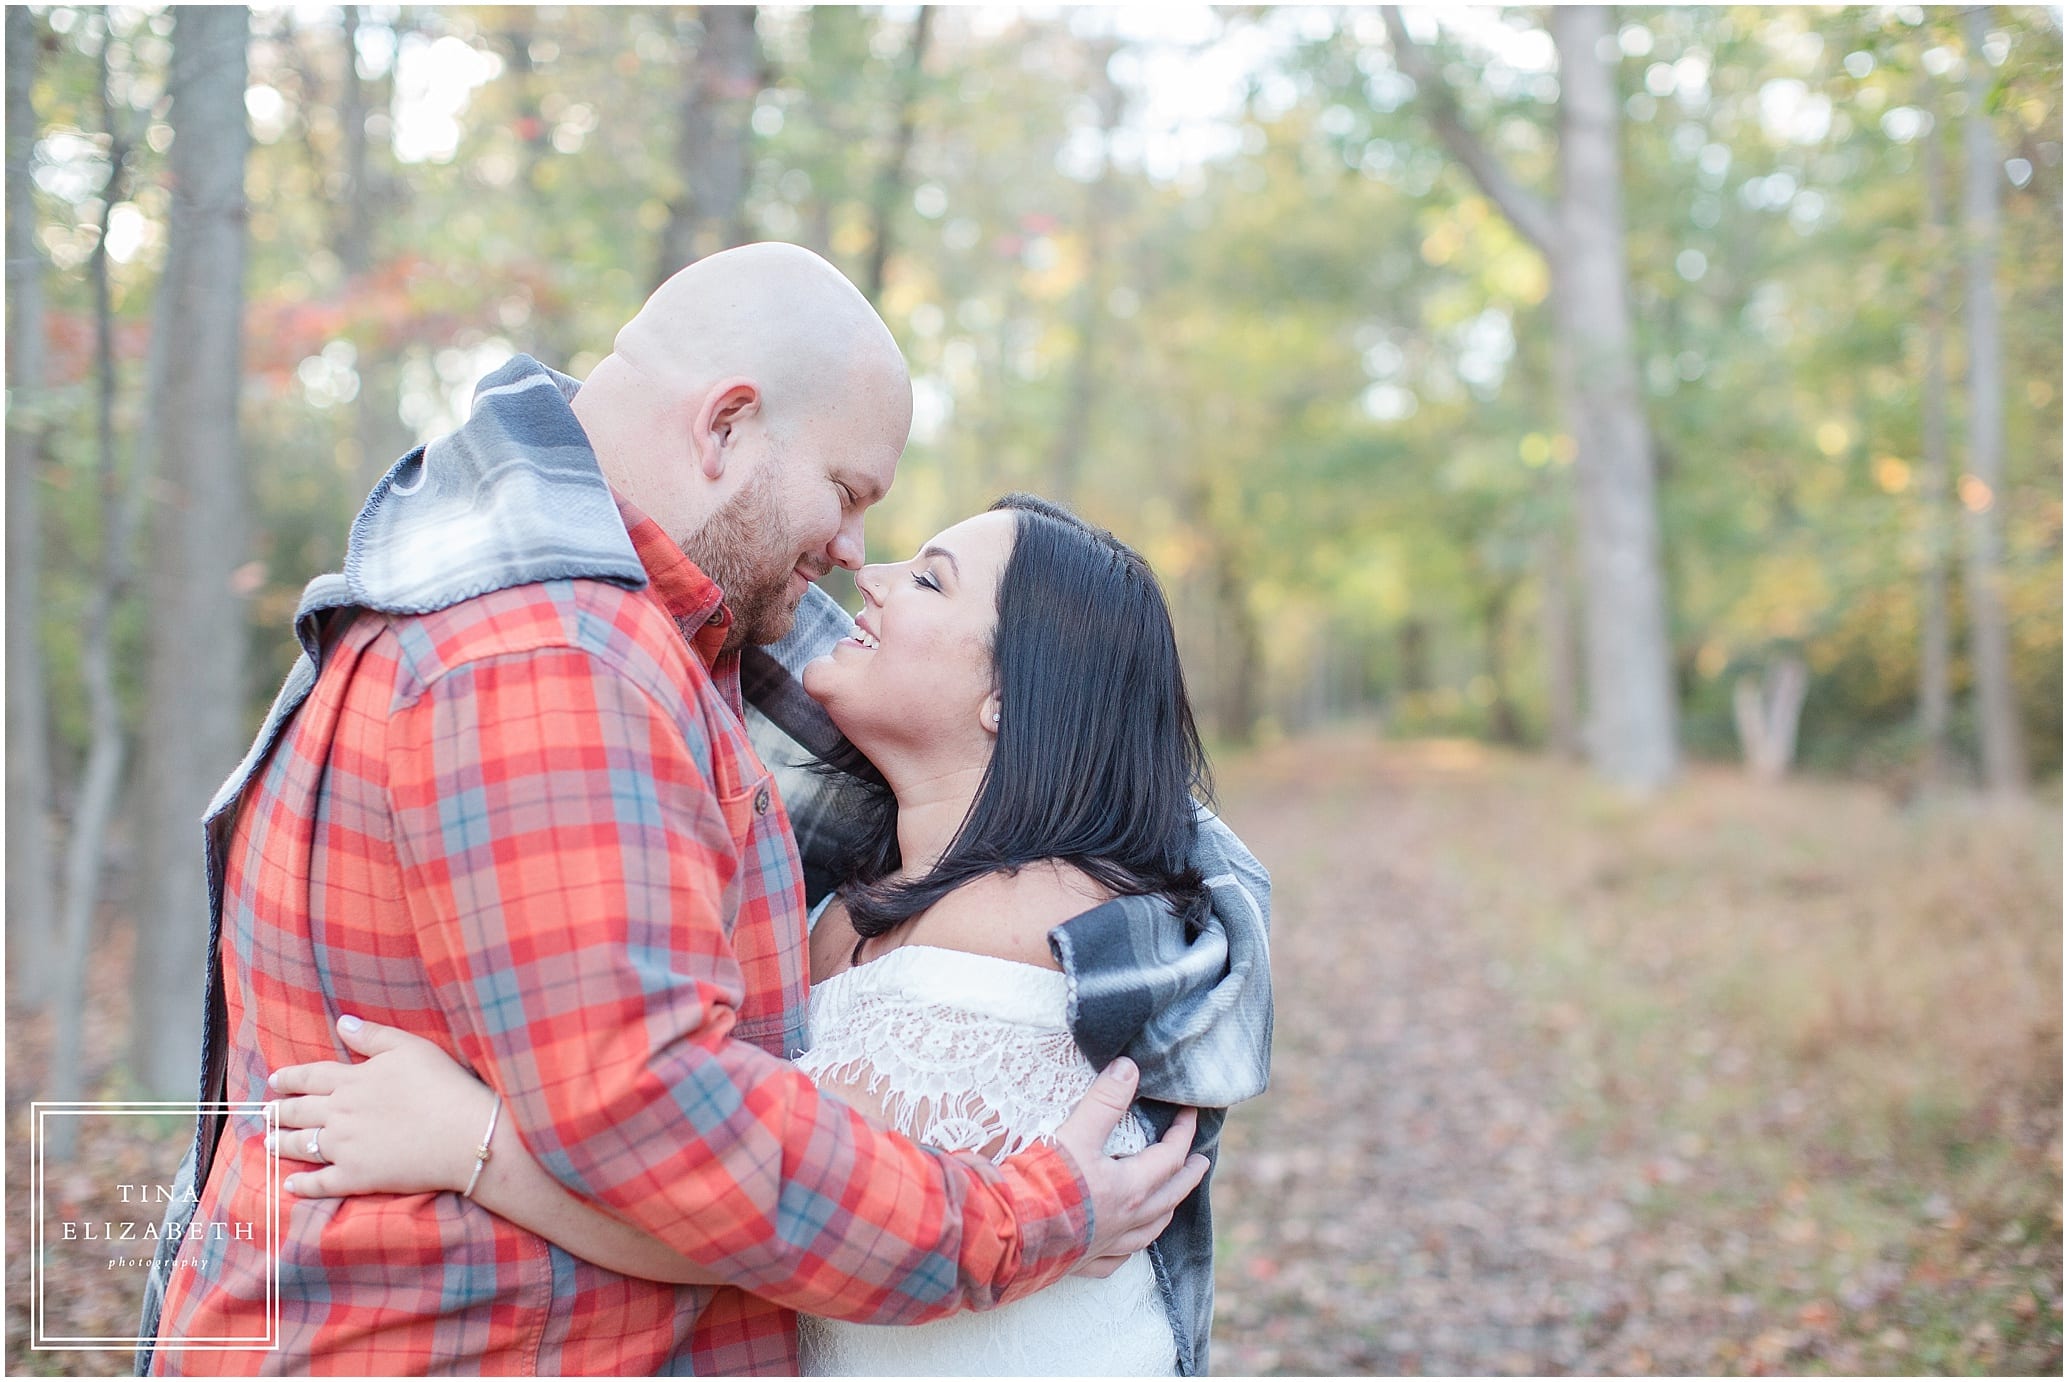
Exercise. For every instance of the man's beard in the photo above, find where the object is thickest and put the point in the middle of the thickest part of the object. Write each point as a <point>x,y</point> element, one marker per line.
<point>740,547</point>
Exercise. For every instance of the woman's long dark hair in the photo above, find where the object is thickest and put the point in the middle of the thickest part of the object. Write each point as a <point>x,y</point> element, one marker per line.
<point>1097,757</point>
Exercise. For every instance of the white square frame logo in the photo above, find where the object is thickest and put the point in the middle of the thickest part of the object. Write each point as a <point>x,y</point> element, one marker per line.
<point>40,1340</point>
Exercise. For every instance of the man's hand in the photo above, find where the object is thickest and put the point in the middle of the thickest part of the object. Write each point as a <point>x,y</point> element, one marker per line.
<point>1132,1197</point>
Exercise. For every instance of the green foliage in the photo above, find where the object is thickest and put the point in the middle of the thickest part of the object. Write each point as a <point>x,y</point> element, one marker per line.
<point>1321,374</point>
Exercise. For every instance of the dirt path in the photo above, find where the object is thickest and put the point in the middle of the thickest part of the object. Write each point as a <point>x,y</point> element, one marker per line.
<point>1401,1201</point>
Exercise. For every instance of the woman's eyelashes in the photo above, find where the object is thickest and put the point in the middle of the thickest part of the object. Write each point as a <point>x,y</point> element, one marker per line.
<point>925,581</point>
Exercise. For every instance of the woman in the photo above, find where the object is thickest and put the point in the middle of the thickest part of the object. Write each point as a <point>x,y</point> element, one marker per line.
<point>1017,685</point>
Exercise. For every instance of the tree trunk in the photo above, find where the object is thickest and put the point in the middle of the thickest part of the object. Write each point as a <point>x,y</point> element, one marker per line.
<point>1238,645</point>
<point>377,431</point>
<point>31,920</point>
<point>1768,711</point>
<point>1242,646</point>
<point>544,334</point>
<point>1555,631</point>
<point>890,179</point>
<point>836,46</point>
<point>121,508</point>
<point>973,485</point>
<point>1503,722</point>
<point>1935,658</point>
<point>1631,735</point>
<point>1413,638</point>
<point>715,147</point>
<point>1066,462</point>
<point>195,720</point>
<point>353,235</point>
<point>1982,488</point>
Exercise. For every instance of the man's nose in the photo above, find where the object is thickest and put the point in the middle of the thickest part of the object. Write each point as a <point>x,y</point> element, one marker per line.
<point>848,548</point>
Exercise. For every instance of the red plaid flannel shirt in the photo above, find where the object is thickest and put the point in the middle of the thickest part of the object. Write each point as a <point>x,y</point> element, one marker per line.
<point>531,828</point>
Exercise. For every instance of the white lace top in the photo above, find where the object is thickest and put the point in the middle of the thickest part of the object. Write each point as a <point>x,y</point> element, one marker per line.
<point>973,1053</point>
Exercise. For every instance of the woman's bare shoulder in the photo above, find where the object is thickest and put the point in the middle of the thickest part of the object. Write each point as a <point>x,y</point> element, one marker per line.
<point>1010,915</point>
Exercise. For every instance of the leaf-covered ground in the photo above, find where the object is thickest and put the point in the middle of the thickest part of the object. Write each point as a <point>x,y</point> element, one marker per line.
<point>82,1293</point>
<point>1744,1080</point>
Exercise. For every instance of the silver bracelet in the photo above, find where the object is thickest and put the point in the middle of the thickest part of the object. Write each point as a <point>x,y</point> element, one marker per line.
<point>482,1152</point>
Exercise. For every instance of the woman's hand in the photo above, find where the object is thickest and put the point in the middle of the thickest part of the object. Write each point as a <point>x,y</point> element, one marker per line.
<point>404,1121</point>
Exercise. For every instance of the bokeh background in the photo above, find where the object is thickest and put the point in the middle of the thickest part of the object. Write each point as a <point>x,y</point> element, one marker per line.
<point>1606,465</point>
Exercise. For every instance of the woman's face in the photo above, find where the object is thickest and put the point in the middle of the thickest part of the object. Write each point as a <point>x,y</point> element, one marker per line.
<point>919,679</point>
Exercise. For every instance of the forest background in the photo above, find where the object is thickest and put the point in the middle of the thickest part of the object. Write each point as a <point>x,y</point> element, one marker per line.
<point>1655,396</point>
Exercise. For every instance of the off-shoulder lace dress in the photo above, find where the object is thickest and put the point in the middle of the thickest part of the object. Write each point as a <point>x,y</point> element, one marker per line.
<point>972,1053</point>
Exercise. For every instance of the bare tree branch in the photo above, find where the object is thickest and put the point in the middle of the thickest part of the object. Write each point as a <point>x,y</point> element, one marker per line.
<point>1529,215</point>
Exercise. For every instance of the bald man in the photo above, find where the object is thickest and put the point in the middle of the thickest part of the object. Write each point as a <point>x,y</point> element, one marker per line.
<point>755,407</point>
<point>507,801</point>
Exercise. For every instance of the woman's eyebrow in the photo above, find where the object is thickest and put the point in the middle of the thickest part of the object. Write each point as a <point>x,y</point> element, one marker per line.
<point>938,551</point>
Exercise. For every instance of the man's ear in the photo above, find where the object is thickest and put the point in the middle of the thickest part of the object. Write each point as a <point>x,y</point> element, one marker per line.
<point>729,403</point>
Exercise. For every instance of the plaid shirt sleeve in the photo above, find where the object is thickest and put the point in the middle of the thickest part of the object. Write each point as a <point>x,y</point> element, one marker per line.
<point>571,869</point>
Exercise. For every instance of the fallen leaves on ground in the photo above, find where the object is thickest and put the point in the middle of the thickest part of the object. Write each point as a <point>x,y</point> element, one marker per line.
<point>1527,1116</point>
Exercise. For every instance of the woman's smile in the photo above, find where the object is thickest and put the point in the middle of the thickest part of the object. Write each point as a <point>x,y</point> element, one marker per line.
<point>864,637</point>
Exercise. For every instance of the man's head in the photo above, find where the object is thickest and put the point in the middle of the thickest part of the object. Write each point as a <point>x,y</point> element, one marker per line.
<point>754,408</point>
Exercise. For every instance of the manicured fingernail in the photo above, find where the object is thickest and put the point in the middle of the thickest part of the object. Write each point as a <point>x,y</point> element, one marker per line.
<point>349,1024</point>
<point>1123,1069</point>
<point>292,1185</point>
<point>273,1080</point>
<point>272,1141</point>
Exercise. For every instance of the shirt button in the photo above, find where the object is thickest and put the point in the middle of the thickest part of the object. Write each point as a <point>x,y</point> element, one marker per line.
<point>761,802</point>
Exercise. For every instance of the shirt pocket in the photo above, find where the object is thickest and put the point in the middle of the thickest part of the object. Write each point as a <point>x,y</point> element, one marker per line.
<point>767,932</point>
<point>747,810</point>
